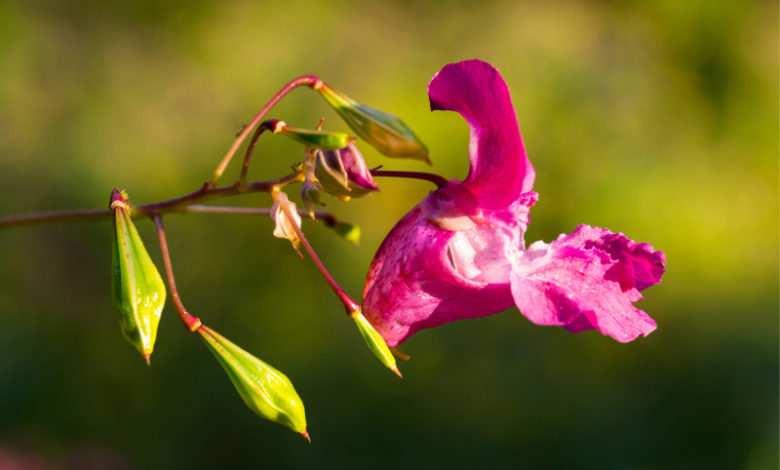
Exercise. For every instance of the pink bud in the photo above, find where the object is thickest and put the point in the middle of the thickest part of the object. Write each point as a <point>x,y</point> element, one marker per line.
<point>344,173</point>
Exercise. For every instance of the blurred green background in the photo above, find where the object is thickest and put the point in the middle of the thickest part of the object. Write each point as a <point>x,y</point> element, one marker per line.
<point>658,119</point>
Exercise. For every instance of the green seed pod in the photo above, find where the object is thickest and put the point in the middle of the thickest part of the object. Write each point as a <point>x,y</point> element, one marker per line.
<point>137,289</point>
<point>264,389</point>
<point>384,131</point>
<point>316,139</point>
<point>375,342</point>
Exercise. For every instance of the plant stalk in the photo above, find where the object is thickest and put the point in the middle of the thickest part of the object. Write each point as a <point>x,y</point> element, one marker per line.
<point>190,322</point>
<point>305,80</point>
<point>350,305</point>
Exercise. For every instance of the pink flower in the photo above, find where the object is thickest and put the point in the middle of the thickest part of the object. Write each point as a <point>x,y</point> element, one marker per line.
<point>460,252</point>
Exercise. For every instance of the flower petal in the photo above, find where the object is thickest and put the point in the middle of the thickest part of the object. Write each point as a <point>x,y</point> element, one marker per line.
<point>588,279</point>
<point>284,226</point>
<point>426,273</point>
<point>500,170</point>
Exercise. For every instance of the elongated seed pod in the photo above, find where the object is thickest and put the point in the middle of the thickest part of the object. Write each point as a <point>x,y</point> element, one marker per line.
<point>268,392</point>
<point>137,289</point>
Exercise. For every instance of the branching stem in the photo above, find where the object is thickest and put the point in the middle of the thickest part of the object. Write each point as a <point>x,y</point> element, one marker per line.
<point>178,204</point>
<point>305,80</point>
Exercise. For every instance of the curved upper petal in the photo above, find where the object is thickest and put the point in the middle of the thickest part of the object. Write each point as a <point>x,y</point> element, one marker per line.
<point>500,170</point>
<point>443,261</point>
<point>588,279</point>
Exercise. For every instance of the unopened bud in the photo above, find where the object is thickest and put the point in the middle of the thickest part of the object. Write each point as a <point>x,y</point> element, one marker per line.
<point>137,289</point>
<point>310,196</point>
<point>385,132</point>
<point>316,139</point>
<point>268,392</point>
<point>344,173</point>
<point>375,342</point>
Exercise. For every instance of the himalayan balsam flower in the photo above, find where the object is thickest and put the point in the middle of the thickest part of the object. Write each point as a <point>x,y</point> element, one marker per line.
<point>460,252</point>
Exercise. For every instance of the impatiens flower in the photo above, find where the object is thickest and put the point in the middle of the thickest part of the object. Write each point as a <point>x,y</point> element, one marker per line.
<point>460,253</point>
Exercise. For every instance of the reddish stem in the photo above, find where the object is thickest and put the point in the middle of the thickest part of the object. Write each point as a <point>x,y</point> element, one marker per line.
<point>307,80</point>
<point>248,156</point>
<point>178,204</point>
<point>208,191</point>
<point>54,216</point>
<point>439,181</point>
<point>190,322</point>
<point>350,305</point>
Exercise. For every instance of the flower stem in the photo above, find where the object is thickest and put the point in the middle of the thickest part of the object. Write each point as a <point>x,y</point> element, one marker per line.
<point>190,322</point>
<point>248,156</point>
<point>305,80</point>
<point>439,181</point>
<point>350,305</point>
<point>36,218</point>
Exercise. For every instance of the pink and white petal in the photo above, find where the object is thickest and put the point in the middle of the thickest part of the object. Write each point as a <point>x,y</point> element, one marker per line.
<point>414,281</point>
<point>500,170</point>
<point>587,280</point>
<point>426,274</point>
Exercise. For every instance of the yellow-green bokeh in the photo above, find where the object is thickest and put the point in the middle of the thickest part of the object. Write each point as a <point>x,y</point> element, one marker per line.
<point>658,119</point>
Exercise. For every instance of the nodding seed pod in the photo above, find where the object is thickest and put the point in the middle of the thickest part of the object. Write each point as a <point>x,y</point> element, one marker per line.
<point>268,392</point>
<point>384,131</point>
<point>137,289</point>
